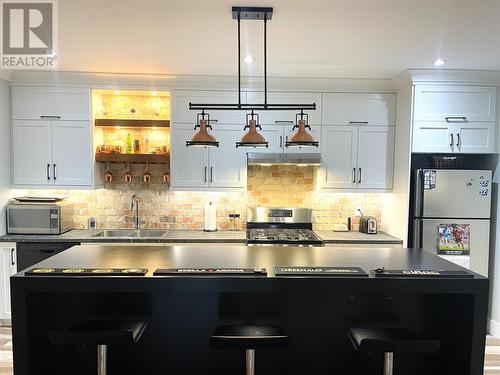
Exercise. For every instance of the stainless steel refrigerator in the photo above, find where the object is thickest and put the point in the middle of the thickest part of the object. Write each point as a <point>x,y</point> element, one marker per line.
<point>452,215</point>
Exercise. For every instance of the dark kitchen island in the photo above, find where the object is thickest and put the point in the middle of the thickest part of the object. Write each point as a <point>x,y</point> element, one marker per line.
<point>183,311</point>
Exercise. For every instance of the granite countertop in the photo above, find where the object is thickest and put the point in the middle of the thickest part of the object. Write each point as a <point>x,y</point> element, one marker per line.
<point>197,236</point>
<point>354,237</point>
<point>173,235</point>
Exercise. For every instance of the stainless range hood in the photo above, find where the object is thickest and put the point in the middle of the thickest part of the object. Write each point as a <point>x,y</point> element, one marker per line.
<point>262,158</point>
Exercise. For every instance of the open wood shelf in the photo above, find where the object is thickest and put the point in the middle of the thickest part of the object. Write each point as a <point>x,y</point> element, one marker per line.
<point>133,123</point>
<point>132,158</point>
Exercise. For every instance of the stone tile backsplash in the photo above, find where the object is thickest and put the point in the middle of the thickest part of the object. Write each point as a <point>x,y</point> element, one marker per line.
<point>291,186</point>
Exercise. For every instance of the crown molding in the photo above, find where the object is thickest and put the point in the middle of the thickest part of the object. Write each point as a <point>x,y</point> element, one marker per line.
<point>196,82</point>
<point>5,75</point>
<point>448,76</point>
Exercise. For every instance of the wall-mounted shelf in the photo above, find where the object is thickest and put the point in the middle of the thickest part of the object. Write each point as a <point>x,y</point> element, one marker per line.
<point>129,123</point>
<point>133,158</point>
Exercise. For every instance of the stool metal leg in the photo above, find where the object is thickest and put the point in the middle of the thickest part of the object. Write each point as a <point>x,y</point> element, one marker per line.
<point>250,361</point>
<point>388,363</point>
<point>102,356</point>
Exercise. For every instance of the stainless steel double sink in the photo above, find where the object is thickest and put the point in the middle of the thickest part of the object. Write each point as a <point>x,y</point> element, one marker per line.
<point>128,233</point>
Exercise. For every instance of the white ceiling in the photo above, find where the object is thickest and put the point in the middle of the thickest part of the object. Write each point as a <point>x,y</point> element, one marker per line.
<point>313,38</point>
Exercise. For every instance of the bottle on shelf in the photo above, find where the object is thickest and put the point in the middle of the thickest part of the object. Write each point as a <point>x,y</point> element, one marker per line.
<point>128,145</point>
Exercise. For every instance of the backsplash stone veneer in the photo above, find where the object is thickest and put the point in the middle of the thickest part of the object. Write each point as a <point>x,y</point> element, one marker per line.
<point>161,208</point>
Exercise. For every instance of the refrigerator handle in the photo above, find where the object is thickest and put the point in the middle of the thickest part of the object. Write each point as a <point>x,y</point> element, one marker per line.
<point>419,194</point>
<point>417,234</point>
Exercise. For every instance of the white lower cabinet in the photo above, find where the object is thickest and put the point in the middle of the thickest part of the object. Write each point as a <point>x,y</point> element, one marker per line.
<point>357,157</point>
<point>9,268</point>
<point>213,168</point>
<point>477,137</point>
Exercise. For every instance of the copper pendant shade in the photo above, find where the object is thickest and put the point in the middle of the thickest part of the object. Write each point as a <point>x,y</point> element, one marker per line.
<point>302,138</point>
<point>252,138</point>
<point>202,138</point>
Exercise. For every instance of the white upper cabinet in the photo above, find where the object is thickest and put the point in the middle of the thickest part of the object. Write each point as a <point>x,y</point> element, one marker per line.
<point>338,153</point>
<point>477,138</point>
<point>455,103</point>
<point>31,103</point>
<point>375,157</point>
<point>227,164</point>
<point>208,168</point>
<point>71,152</point>
<point>286,117</point>
<point>189,165</point>
<point>51,137</point>
<point>359,108</point>
<point>433,137</point>
<point>32,152</point>
<point>182,114</point>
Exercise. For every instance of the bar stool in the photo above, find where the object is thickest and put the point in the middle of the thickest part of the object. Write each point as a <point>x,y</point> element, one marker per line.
<point>249,338</point>
<point>390,341</point>
<point>100,334</point>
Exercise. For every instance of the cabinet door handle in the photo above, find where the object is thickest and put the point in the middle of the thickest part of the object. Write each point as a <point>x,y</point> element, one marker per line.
<point>359,181</point>
<point>51,117</point>
<point>458,141</point>
<point>13,257</point>
<point>205,178</point>
<point>354,175</point>
<point>358,122</point>
<point>48,172</point>
<point>55,172</point>
<point>456,119</point>
<point>452,142</point>
<point>281,141</point>
<point>211,174</point>
<point>283,122</point>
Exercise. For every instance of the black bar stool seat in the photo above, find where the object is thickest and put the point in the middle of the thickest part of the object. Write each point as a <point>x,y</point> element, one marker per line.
<point>394,340</point>
<point>390,341</point>
<point>100,334</point>
<point>249,339</point>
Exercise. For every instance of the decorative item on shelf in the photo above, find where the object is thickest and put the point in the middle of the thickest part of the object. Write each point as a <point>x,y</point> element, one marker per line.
<point>202,138</point>
<point>108,176</point>
<point>146,177</point>
<point>108,149</point>
<point>302,138</point>
<point>166,175</point>
<point>128,147</point>
<point>259,14</point>
<point>137,146</point>
<point>252,138</point>
<point>127,177</point>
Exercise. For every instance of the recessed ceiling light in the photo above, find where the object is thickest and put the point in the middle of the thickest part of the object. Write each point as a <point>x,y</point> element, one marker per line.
<point>248,59</point>
<point>439,62</point>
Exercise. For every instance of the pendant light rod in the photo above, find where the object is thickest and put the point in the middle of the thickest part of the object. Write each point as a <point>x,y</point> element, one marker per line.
<point>260,14</point>
<point>239,59</point>
<point>265,60</point>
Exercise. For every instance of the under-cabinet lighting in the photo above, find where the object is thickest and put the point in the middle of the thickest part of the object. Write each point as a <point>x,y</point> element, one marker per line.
<point>439,62</point>
<point>248,59</point>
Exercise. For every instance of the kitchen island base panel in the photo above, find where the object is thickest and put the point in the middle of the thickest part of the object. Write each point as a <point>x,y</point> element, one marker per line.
<point>316,313</point>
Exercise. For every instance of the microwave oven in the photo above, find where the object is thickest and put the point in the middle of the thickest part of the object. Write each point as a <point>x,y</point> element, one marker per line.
<point>39,218</point>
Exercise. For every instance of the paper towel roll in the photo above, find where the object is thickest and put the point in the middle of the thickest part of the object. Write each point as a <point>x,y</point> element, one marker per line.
<point>210,217</point>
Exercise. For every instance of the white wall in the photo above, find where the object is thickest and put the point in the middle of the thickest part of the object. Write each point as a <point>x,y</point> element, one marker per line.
<point>494,269</point>
<point>396,205</point>
<point>4,150</point>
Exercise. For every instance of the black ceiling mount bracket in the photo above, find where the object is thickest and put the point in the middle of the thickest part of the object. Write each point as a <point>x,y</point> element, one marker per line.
<point>252,13</point>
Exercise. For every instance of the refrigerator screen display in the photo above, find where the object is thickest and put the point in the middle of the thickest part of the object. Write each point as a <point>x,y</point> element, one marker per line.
<point>453,239</point>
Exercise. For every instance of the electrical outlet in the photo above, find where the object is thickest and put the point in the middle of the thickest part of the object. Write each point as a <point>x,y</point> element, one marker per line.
<point>359,211</point>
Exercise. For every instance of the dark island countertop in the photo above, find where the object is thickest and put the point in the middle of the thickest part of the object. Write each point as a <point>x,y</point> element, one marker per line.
<point>153,257</point>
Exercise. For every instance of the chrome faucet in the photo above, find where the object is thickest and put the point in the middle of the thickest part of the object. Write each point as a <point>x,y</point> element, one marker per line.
<point>134,206</point>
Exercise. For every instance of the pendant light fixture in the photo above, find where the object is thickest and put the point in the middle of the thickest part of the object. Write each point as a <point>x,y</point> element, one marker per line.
<point>252,138</point>
<point>202,138</point>
<point>302,138</point>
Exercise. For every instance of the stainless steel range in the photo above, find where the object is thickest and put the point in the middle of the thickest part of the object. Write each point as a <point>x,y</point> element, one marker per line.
<point>281,226</point>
